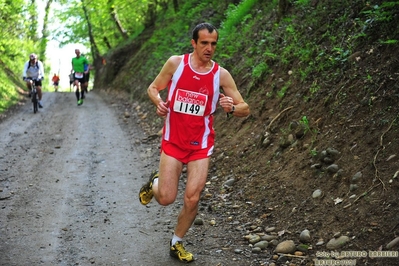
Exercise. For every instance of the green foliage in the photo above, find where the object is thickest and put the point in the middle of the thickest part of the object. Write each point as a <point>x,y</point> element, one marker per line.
<point>11,28</point>
<point>106,35</point>
<point>304,122</point>
<point>379,17</point>
<point>314,88</point>
<point>32,22</point>
<point>313,152</point>
<point>389,42</point>
<point>260,69</point>
<point>383,12</point>
<point>18,39</point>
<point>8,94</point>
<point>234,16</point>
<point>283,90</point>
<point>310,39</point>
<point>239,21</point>
<point>302,3</point>
<point>175,36</point>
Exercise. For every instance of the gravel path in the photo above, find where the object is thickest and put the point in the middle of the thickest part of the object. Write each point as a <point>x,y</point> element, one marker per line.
<point>69,178</point>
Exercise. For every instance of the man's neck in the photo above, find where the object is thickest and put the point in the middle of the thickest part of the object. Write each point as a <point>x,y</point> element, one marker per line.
<point>199,65</point>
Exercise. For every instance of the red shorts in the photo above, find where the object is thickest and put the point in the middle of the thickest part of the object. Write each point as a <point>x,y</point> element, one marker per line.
<point>184,156</point>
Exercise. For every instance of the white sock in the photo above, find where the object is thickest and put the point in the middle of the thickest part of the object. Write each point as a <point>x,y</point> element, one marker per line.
<point>155,181</point>
<point>175,239</point>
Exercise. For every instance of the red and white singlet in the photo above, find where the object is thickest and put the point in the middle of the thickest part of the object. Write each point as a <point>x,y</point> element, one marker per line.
<point>193,98</point>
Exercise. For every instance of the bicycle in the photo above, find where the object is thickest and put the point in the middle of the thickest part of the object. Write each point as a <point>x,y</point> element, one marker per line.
<point>34,96</point>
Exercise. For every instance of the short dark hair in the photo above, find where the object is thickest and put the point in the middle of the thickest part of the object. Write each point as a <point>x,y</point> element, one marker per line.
<point>202,26</point>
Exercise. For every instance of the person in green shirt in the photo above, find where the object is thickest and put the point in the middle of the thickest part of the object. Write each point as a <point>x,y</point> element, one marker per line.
<point>78,67</point>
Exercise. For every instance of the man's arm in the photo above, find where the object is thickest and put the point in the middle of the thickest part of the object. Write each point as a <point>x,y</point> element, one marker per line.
<point>232,99</point>
<point>161,82</point>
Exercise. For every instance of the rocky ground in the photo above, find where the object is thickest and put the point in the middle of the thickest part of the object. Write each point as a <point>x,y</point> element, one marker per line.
<point>70,177</point>
<point>295,208</point>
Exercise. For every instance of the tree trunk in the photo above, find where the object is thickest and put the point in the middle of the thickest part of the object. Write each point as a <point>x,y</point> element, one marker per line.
<point>105,39</point>
<point>175,5</point>
<point>94,49</point>
<point>151,14</point>
<point>283,6</point>
<point>45,33</point>
<point>118,23</point>
<point>32,34</point>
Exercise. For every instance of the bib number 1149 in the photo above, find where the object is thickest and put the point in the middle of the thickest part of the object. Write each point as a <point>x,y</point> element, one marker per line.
<point>191,103</point>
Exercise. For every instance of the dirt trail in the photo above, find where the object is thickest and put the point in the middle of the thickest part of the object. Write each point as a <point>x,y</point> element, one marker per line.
<point>69,178</point>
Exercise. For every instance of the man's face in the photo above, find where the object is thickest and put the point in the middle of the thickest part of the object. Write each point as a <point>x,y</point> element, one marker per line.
<point>206,44</point>
<point>77,52</point>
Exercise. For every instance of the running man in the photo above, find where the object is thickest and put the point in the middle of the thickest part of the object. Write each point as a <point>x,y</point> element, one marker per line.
<point>55,80</point>
<point>78,63</point>
<point>87,78</point>
<point>193,81</point>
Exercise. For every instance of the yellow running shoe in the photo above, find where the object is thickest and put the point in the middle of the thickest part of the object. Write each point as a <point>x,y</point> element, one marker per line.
<point>146,192</point>
<point>178,251</point>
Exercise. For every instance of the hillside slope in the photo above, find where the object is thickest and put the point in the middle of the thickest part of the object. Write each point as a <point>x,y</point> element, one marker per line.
<point>320,150</point>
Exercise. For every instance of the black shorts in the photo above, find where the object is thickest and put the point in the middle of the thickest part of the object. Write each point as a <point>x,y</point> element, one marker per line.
<point>80,80</point>
<point>37,82</point>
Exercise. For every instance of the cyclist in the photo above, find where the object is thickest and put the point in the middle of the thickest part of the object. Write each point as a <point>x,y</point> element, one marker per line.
<point>55,80</point>
<point>78,63</point>
<point>34,72</point>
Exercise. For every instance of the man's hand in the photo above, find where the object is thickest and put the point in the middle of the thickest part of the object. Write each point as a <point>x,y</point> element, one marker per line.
<point>226,103</point>
<point>163,108</point>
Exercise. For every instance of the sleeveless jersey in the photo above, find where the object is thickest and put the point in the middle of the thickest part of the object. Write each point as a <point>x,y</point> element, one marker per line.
<point>193,98</point>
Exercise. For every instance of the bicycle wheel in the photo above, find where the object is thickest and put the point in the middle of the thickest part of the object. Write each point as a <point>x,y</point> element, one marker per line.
<point>34,101</point>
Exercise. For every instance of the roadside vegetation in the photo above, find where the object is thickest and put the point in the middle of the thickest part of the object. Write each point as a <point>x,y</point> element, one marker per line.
<point>256,37</point>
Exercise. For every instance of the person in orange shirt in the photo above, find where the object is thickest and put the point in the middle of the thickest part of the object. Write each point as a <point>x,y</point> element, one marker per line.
<point>55,80</point>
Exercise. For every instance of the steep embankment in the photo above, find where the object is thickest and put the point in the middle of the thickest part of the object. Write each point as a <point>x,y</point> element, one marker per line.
<point>320,149</point>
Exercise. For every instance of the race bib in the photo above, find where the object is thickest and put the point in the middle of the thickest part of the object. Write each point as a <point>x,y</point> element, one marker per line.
<point>191,103</point>
<point>78,75</point>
